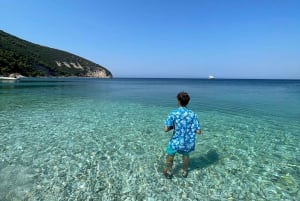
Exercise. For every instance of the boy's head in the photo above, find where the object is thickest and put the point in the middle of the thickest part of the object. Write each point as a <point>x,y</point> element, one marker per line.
<point>183,98</point>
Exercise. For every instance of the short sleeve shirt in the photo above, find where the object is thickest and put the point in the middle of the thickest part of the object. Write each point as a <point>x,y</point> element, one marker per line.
<point>185,123</point>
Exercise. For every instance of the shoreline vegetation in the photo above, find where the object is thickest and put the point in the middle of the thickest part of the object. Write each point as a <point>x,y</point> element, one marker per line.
<point>18,56</point>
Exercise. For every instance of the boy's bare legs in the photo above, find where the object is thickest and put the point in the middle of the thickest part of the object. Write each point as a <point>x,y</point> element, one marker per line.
<point>185,166</point>
<point>169,163</point>
<point>169,160</point>
<point>186,161</point>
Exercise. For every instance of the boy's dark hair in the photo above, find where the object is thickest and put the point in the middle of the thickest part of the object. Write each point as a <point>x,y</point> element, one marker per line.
<point>183,98</point>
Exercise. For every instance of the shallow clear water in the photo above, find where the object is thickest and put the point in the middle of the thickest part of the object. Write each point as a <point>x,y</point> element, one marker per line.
<point>95,139</point>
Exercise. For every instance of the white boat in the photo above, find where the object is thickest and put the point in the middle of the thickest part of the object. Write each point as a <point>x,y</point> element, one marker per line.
<point>11,78</point>
<point>211,77</point>
<point>8,79</point>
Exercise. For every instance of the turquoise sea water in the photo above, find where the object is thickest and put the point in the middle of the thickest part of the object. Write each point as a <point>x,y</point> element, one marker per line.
<point>102,139</point>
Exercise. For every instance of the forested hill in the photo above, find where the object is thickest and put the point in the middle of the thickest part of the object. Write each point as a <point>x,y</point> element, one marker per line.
<point>18,56</point>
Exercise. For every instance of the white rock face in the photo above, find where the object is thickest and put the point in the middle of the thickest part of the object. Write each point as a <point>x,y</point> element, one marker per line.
<point>69,65</point>
<point>76,65</point>
<point>98,73</point>
<point>91,73</point>
<point>58,63</point>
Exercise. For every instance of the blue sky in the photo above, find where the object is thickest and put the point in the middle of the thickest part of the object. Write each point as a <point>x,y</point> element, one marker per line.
<point>167,38</point>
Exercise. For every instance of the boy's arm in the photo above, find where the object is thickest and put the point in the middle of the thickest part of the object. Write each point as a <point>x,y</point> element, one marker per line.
<point>169,123</point>
<point>196,123</point>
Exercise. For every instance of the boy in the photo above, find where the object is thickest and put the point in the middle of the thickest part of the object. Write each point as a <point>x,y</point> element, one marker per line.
<point>185,125</point>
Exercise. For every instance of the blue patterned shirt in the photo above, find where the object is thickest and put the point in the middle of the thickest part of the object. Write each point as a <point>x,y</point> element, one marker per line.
<point>185,124</point>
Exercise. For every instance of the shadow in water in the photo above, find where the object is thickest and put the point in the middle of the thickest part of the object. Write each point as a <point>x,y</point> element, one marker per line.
<point>204,161</point>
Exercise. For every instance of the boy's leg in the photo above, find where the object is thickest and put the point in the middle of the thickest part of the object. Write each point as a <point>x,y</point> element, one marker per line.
<point>186,161</point>
<point>169,165</point>
<point>169,161</point>
<point>185,165</point>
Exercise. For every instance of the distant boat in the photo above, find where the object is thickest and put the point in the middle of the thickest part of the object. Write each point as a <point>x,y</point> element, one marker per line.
<point>11,78</point>
<point>8,79</point>
<point>211,77</point>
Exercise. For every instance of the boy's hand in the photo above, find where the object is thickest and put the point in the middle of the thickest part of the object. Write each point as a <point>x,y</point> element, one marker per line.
<point>166,129</point>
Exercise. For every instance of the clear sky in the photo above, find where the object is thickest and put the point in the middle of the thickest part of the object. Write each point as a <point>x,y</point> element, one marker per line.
<point>167,38</point>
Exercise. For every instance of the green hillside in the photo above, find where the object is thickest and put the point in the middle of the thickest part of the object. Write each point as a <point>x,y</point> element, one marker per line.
<point>29,59</point>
